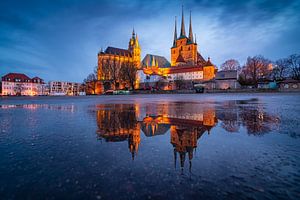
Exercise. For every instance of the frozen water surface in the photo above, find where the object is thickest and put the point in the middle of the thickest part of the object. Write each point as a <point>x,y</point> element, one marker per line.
<point>207,146</point>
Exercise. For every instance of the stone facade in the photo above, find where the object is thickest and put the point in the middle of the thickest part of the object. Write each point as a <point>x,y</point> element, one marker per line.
<point>115,57</point>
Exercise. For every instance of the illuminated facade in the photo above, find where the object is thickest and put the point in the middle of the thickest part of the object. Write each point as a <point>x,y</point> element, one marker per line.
<point>111,60</point>
<point>58,88</point>
<point>186,62</point>
<point>16,84</point>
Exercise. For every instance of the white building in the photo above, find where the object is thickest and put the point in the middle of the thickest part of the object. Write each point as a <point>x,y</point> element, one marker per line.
<point>16,84</point>
<point>64,88</point>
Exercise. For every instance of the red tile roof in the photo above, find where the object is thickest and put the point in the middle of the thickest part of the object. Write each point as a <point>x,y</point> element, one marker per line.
<point>19,77</point>
<point>184,69</point>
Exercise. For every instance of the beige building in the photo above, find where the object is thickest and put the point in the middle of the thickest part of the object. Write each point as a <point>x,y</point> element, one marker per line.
<point>17,84</point>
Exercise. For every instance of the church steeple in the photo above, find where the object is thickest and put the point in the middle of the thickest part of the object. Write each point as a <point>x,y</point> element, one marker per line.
<point>133,33</point>
<point>190,29</point>
<point>182,32</point>
<point>175,32</point>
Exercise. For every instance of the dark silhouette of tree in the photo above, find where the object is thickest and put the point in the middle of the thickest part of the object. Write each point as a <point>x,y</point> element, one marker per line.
<point>231,64</point>
<point>128,74</point>
<point>114,70</point>
<point>90,82</point>
<point>294,65</point>
<point>281,69</point>
<point>256,68</point>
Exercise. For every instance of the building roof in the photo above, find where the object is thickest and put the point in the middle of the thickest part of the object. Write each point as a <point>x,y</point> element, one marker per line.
<point>162,61</point>
<point>226,75</point>
<point>184,69</point>
<point>37,80</point>
<point>117,51</point>
<point>208,62</point>
<point>180,59</point>
<point>19,77</point>
<point>200,59</point>
<point>16,76</point>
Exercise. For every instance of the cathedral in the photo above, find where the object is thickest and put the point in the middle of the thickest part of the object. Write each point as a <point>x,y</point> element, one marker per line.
<point>187,64</point>
<point>113,58</point>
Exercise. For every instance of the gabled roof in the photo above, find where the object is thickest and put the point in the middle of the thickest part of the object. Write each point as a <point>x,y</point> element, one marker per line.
<point>162,61</point>
<point>117,51</point>
<point>37,80</point>
<point>200,59</point>
<point>13,76</point>
<point>208,63</point>
<point>180,59</point>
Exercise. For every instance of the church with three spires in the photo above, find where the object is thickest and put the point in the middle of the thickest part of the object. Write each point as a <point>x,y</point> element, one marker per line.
<point>186,62</point>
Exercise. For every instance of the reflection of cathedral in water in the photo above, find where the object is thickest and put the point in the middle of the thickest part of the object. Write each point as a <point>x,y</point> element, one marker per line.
<point>186,124</point>
<point>117,122</point>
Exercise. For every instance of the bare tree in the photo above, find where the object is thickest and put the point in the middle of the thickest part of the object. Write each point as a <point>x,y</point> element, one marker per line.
<point>256,68</point>
<point>281,69</point>
<point>90,82</point>
<point>294,65</point>
<point>114,73</point>
<point>128,73</point>
<point>231,64</point>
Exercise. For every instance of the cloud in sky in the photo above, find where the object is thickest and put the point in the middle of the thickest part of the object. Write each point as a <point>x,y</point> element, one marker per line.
<point>59,40</point>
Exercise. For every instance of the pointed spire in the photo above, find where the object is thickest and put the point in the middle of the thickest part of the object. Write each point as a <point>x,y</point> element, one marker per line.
<point>133,33</point>
<point>195,39</point>
<point>190,29</point>
<point>175,32</point>
<point>182,32</point>
<point>137,41</point>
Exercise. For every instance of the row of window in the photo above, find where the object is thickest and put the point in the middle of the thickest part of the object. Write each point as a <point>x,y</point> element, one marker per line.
<point>12,83</point>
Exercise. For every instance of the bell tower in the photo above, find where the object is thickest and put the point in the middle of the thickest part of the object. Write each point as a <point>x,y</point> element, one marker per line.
<point>135,49</point>
<point>184,48</point>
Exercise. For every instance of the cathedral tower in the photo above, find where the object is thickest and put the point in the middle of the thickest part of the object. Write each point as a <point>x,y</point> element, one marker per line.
<point>135,49</point>
<point>184,49</point>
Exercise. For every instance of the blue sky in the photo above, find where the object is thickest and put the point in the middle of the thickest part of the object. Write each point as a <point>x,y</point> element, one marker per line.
<point>59,40</point>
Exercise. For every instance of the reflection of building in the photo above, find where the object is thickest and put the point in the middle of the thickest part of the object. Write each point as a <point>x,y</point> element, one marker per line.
<point>120,122</point>
<point>184,135</point>
<point>186,122</point>
<point>20,84</point>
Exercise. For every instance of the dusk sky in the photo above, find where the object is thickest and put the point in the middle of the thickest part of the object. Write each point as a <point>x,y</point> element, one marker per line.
<point>59,40</point>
